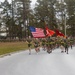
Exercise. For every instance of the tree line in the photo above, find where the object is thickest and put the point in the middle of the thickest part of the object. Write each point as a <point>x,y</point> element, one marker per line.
<point>18,15</point>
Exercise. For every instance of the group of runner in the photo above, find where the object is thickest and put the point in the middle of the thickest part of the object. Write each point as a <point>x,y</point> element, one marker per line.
<point>49,44</point>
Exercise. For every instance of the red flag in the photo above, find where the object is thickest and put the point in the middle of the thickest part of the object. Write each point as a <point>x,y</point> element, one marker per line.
<point>59,33</point>
<point>49,32</point>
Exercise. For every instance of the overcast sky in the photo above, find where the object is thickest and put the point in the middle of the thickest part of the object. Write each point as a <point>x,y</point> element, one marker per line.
<point>33,1</point>
<point>32,4</point>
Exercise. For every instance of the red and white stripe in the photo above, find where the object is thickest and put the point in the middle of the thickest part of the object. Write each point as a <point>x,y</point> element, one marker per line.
<point>39,33</point>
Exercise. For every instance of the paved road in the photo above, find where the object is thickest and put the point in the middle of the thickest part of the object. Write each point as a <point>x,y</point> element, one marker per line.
<point>22,63</point>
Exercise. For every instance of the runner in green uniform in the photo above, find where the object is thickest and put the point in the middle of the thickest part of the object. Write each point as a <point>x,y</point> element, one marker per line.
<point>29,42</point>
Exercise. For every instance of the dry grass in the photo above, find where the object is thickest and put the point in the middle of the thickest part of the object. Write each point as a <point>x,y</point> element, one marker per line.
<point>8,47</point>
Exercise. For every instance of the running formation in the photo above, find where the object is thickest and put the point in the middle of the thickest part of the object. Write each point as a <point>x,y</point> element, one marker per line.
<point>49,44</point>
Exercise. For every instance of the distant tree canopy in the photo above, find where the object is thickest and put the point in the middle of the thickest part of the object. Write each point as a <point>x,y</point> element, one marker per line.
<point>18,15</point>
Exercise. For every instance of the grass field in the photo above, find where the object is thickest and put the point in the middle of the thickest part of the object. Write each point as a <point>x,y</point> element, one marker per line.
<point>8,47</point>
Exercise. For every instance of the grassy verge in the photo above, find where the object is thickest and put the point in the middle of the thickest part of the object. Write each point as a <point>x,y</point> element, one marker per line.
<point>8,47</point>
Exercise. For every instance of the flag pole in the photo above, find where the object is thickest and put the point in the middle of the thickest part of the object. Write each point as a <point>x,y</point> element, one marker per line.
<point>65,24</point>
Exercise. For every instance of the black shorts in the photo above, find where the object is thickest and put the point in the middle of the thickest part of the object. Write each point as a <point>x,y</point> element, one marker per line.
<point>29,45</point>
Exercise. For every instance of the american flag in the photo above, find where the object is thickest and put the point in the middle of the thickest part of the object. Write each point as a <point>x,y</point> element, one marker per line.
<point>37,32</point>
